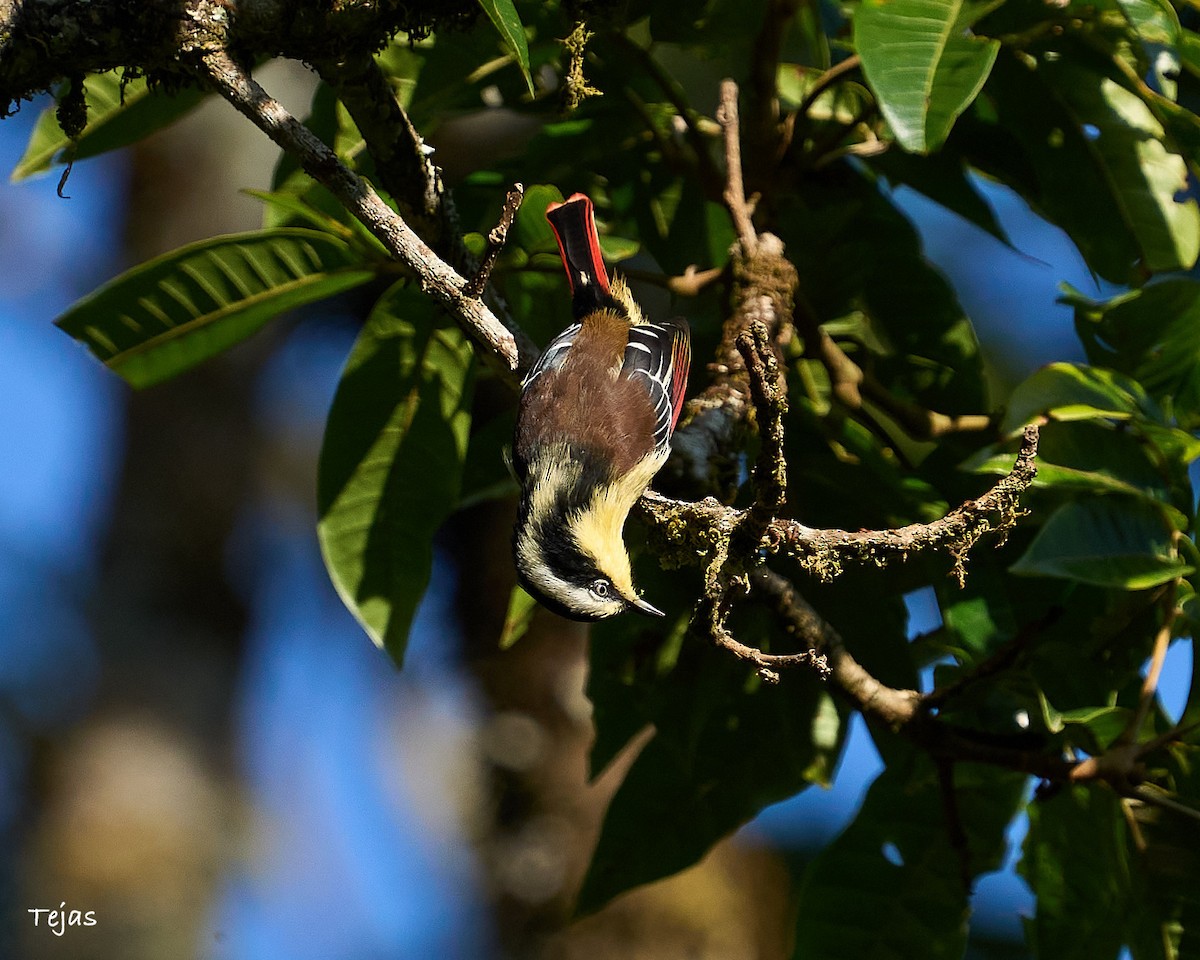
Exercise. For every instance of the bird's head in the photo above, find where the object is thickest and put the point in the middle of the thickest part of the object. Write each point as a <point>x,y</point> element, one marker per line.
<point>568,547</point>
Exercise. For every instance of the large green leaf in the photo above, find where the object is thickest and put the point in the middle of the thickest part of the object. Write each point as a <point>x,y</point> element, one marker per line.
<point>168,314</point>
<point>1075,863</point>
<point>392,460</point>
<point>1107,542</point>
<point>890,886</point>
<point>923,64</point>
<point>504,17</point>
<point>1073,391</point>
<point>725,743</point>
<point>115,119</point>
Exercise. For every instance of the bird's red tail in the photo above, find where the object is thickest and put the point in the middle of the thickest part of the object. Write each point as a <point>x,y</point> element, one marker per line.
<point>574,225</point>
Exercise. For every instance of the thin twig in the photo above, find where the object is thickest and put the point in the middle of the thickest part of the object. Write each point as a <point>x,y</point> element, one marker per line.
<point>826,80</point>
<point>1003,658</point>
<point>1162,640</point>
<point>495,240</point>
<point>735,190</point>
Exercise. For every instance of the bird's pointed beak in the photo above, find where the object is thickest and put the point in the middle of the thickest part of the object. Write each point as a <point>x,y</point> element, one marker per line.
<point>641,606</point>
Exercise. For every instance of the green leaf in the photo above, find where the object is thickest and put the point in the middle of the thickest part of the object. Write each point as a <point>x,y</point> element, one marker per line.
<point>1076,864</point>
<point>504,17</point>
<point>889,887</point>
<point>1107,542</point>
<point>392,459</point>
<point>1072,391</point>
<point>168,314</point>
<point>1103,724</point>
<point>1091,456</point>
<point>725,744</point>
<point>291,208</point>
<point>521,608</point>
<point>109,124</point>
<point>1152,334</point>
<point>922,63</point>
<point>1154,21</point>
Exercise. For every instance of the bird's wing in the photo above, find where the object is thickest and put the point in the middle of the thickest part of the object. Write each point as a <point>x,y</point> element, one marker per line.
<point>658,356</point>
<point>553,356</point>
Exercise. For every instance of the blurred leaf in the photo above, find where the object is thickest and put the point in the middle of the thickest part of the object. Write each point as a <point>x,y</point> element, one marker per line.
<point>616,249</point>
<point>923,64</point>
<point>1108,542</point>
<point>168,314</point>
<point>843,102</point>
<point>110,125</point>
<point>392,459</point>
<point>531,230</point>
<point>889,885</point>
<point>292,208</point>
<point>1103,724</point>
<point>521,608</point>
<point>1154,21</point>
<point>504,17</point>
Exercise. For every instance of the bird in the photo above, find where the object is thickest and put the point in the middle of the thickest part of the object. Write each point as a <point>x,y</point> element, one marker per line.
<point>594,425</point>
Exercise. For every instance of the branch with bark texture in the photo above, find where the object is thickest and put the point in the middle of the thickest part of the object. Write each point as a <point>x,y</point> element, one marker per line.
<point>436,277</point>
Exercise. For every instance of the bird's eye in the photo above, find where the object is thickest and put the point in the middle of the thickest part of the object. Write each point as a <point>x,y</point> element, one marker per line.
<point>601,588</point>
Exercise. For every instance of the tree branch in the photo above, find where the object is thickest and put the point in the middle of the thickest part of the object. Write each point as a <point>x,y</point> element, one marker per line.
<point>435,276</point>
<point>691,528</point>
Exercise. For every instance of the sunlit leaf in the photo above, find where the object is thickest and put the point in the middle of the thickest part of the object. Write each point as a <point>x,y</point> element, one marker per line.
<point>166,315</point>
<point>1070,391</point>
<point>504,17</point>
<point>521,608</point>
<point>923,64</point>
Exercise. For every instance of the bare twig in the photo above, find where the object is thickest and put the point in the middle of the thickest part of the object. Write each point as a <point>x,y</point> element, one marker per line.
<point>894,707</point>
<point>320,162</point>
<point>734,194</point>
<point>1162,640</point>
<point>495,240</point>
<point>826,80</point>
